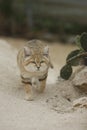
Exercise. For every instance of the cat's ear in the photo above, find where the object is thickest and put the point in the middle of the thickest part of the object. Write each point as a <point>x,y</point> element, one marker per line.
<point>27,51</point>
<point>46,51</point>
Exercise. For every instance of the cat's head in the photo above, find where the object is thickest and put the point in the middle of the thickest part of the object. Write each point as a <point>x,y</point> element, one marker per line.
<point>36,60</point>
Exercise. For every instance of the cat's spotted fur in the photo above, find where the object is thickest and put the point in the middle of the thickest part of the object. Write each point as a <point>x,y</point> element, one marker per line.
<point>34,61</point>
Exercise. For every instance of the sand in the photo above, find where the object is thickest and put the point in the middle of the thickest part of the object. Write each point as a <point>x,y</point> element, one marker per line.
<point>49,111</point>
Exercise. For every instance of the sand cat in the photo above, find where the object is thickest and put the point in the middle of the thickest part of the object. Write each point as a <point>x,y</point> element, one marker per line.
<point>34,61</point>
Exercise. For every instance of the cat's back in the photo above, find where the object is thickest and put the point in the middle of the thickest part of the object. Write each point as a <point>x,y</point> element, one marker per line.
<point>35,44</point>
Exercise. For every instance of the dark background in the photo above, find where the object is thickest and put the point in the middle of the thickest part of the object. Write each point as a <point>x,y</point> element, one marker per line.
<point>44,19</point>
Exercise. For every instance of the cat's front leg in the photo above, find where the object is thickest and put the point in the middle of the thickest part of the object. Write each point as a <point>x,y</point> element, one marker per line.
<point>35,83</point>
<point>29,92</point>
<point>43,85</point>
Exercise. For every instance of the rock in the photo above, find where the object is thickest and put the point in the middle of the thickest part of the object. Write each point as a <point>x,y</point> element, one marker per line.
<point>80,103</point>
<point>80,80</point>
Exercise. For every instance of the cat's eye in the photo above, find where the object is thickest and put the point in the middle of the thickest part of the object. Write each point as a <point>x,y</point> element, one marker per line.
<point>42,62</point>
<point>33,62</point>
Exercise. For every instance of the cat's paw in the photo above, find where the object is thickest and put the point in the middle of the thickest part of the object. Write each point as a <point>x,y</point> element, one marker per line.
<point>29,97</point>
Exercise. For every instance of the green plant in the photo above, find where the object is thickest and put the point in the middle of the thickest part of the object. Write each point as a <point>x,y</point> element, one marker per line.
<point>76,57</point>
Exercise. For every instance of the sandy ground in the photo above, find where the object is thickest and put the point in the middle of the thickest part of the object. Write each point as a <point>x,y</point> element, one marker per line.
<point>18,114</point>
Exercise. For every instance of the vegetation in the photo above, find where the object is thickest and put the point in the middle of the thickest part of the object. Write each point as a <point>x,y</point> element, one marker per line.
<point>76,57</point>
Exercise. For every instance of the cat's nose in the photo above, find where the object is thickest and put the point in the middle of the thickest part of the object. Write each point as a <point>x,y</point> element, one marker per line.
<point>38,67</point>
